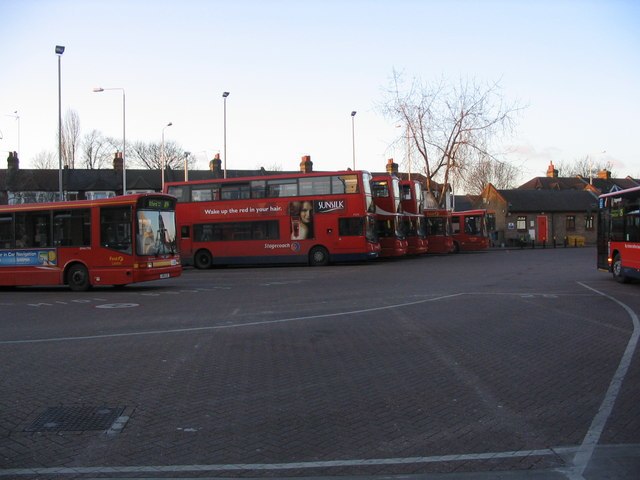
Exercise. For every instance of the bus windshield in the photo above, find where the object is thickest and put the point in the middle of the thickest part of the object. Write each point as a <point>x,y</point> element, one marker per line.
<point>156,232</point>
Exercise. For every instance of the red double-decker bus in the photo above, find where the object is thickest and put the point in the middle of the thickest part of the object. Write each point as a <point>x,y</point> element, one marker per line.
<point>114,241</point>
<point>314,218</point>
<point>390,227</point>
<point>619,234</point>
<point>469,230</point>
<point>412,199</point>
<point>439,231</point>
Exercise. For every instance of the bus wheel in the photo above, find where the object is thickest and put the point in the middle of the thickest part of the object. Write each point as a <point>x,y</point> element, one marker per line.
<point>616,269</point>
<point>202,259</point>
<point>78,278</point>
<point>456,247</point>
<point>318,257</point>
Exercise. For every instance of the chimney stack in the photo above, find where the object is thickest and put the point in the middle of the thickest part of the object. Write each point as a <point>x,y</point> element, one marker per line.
<point>604,174</point>
<point>13,163</point>
<point>306,165</point>
<point>117,162</point>
<point>392,167</point>
<point>551,171</point>
<point>215,166</point>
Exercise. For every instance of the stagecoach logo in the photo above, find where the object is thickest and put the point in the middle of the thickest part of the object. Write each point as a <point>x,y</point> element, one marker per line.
<point>116,260</point>
<point>324,206</point>
<point>295,246</point>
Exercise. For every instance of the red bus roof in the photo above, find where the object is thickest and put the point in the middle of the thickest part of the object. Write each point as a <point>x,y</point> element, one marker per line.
<point>620,192</point>
<point>121,199</point>
<point>473,212</point>
<point>267,177</point>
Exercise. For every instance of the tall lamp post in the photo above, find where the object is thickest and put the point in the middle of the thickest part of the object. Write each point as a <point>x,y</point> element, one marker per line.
<point>124,136</point>
<point>353,138</point>
<point>224,96</point>
<point>59,52</point>
<point>162,160</point>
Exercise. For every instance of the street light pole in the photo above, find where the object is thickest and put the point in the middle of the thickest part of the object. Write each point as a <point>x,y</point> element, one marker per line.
<point>353,138</point>
<point>224,96</point>
<point>124,136</point>
<point>59,52</point>
<point>162,160</point>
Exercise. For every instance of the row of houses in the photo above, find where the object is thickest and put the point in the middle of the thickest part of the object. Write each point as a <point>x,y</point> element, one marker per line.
<point>546,210</point>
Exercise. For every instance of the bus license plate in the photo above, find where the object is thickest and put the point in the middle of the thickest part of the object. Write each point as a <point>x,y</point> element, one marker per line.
<point>164,275</point>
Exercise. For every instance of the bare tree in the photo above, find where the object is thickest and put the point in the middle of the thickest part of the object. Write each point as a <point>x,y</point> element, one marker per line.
<point>96,150</point>
<point>70,137</point>
<point>273,167</point>
<point>45,161</point>
<point>480,173</point>
<point>149,155</point>
<point>584,167</point>
<point>451,127</point>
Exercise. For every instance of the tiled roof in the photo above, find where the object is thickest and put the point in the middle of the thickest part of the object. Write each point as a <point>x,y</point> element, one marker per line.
<point>602,185</point>
<point>467,202</point>
<point>91,180</point>
<point>606,185</point>
<point>549,200</point>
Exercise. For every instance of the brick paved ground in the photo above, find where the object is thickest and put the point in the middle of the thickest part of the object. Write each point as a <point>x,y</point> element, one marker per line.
<point>402,364</point>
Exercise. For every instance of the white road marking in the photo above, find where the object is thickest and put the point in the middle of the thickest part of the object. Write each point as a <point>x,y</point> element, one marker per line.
<point>234,325</point>
<point>464,457</point>
<point>591,439</point>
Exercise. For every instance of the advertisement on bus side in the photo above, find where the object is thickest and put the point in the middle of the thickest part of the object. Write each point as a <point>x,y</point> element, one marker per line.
<point>32,257</point>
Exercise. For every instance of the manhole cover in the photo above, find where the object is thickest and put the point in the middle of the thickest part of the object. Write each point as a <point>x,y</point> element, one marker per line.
<point>75,419</point>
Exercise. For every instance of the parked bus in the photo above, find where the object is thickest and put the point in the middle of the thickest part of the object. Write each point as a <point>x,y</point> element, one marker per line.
<point>412,199</point>
<point>386,195</point>
<point>114,241</point>
<point>619,234</point>
<point>314,218</point>
<point>469,230</point>
<point>439,231</point>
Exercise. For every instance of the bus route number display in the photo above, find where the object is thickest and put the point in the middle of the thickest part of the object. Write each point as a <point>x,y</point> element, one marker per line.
<point>157,203</point>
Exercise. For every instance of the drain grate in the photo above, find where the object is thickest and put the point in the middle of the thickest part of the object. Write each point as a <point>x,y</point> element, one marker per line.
<point>75,419</point>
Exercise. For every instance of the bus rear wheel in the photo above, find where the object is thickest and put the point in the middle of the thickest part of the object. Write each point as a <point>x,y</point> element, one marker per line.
<point>616,269</point>
<point>318,257</point>
<point>202,259</point>
<point>78,278</point>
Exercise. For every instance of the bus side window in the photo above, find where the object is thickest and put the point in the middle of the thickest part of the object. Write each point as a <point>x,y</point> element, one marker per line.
<point>351,226</point>
<point>6,231</point>
<point>258,189</point>
<point>115,228</point>
<point>633,227</point>
<point>33,229</point>
<point>180,192</point>
<point>185,231</point>
<point>70,228</point>
<point>455,225</point>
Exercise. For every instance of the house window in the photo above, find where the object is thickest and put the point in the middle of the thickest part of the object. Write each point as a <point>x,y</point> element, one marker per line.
<point>99,194</point>
<point>571,222</point>
<point>588,222</point>
<point>521,224</point>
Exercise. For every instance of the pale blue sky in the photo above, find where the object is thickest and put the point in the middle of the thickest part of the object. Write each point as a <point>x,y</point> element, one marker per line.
<point>296,69</point>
